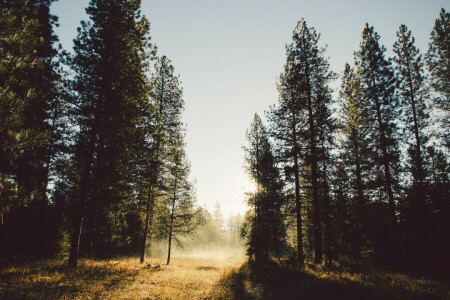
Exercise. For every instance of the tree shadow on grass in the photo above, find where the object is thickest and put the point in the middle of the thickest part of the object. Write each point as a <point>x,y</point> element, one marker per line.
<point>54,280</point>
<point>276,281</point>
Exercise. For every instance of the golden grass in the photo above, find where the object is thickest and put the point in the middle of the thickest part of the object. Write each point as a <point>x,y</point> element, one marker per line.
<point>114,279</point>
<point>282,280</point>
<point>195,278</point>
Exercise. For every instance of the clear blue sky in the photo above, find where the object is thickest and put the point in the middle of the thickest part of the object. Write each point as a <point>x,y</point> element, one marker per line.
<point>229,54</point>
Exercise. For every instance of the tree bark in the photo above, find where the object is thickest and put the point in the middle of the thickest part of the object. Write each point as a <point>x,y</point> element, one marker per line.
<point>387,172</point>
<point>171,222</point>
<point>313,157</point>
<point>78,220</point>
<point>360,198</point>
<point>298,208</point>
<point>326,210</point>
<point>420,193</point>
<point>149,206</point>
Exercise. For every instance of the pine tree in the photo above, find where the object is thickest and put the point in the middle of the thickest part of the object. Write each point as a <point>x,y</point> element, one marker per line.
<point>341,209</point>
<point>27,91</point>
<point>378,85</point>
<point>413,93</point>
<point>265,225</point>
<point>311,71</point>
<point>354,127</point>
<point>179,218</point>
<point>218,219</point>
<point>111,86</point>
<point>285,119</point>
<point>164,125</point>
<point>438,61</point>
<point>325,127</point>
<point>28,79</point>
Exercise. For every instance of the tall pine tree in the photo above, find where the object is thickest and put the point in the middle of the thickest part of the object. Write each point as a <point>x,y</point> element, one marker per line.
<point>311,71</point>
<point>285,119</point>
<point>111,53</point>
<point>180,217</point>
<point>165,124</point>
<point>354,127</point>
<point>265,233</point>
<point>28,81</point>
<point>413,93</point>
<point>379,95</point>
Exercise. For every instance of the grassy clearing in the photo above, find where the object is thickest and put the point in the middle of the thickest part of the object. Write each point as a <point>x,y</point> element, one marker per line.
<point>195,278</point>
<point>114,279</point>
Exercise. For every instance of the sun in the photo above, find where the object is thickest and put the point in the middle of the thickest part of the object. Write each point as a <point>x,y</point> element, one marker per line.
<point>248,185</point>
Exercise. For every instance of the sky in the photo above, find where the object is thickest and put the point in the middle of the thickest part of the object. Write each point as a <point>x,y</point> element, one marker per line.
<point>229,55</point>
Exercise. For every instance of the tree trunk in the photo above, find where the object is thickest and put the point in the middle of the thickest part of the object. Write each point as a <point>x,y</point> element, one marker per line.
<point>171,222</point>
<point>298,208</point>
<point>78,220</point>
<point>419,205</point>
<point>387,172</point>
<point>266,235</point>
<point>313,156</point>
<point>147,221</point>
<point>326,210</point>
<point>49,154</point>
<point>360,198</point>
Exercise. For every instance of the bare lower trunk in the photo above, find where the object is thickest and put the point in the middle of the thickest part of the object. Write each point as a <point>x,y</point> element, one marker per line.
<point>171,223</point>
<point>147,221</point>
<point>360,213</point>
<point>326,211</point>
<point>419,205</point>
<point>78,220</point>
<point>75,241</point>
<point>170,246</point>
<point>298,211</point>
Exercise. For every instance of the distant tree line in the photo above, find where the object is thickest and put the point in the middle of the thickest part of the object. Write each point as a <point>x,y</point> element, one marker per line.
<point>92,154</point>
<point>362,172</point>
<point>219,233</point>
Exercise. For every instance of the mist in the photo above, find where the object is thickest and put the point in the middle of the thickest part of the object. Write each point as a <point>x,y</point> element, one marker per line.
<point>218,239</point>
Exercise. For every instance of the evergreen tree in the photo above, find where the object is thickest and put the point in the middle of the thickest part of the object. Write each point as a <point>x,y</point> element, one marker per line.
<point>311,73</point>
<point>379,95</point>
<point>326,127</point>
<point>179,218</point>
<point>265,224</point>
<point>413,93</point>
<point>438,61</point>
<point>218,218</point>
<point>164,125</point>
<point>28,82</point>
<point>285,119</point>
<point>354,127</point>
<point>341,209</point>
<point>111,86</point>
<point>33,80</point>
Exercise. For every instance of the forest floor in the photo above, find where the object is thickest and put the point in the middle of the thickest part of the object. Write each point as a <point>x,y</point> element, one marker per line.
<point>209,279</point>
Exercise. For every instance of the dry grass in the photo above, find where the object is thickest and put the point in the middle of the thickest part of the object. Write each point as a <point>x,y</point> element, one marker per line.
<point>281,280</point>
<point>194,278</point>
<point>120,279</point>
